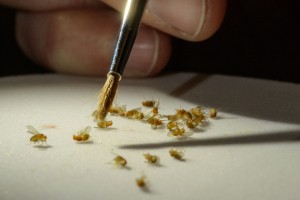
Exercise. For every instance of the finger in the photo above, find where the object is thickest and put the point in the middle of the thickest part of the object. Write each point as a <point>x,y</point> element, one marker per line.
<point>38,5</point>
<point>193,20</point>
<point>82,41</point>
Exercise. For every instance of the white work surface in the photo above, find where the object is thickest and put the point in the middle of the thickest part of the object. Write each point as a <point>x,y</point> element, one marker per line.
<point>252,151</point>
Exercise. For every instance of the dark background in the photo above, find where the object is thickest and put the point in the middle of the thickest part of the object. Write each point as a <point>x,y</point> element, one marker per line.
<point>258,38</point>
<point>12,60</point>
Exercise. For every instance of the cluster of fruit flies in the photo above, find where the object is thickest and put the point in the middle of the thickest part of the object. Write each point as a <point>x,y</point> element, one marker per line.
<point>142,181</point>
<point>119,161</point>
<point>176,123</point>
<point>41,138</point>
<point>151,116</point>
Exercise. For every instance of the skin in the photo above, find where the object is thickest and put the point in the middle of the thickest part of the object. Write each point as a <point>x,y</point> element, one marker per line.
<point>78,36</point>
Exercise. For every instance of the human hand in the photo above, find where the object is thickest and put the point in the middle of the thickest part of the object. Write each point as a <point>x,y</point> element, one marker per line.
<point>78,36</point>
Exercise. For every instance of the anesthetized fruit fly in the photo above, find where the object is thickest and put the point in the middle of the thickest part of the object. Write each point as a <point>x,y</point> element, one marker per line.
<point>192,123</point>
<point>37,137</point>
<point>142,181</point>
<point>119,161</point>
<point>149,103</point>
<point>154,111</point>
<point>104,124</point>
<point>117,110</point>
<point>179,133</point>
<point>83,135</point>
<point>154,122</point>
<point>183,114</point>
<point>213,112</point>
<point>172,125</point>
<point>134,114</point>
<point>151,159</point>
<point>176,153</point>
<point>197,111</point>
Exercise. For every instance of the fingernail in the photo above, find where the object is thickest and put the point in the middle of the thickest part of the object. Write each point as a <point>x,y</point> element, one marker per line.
<point>144,54</point>
<point>185,16</point>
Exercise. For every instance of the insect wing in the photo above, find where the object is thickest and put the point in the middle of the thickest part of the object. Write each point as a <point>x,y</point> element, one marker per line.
<point>187,134</point>
<point>87,129</point>
<point>32,130</point>
<point>123,108</point>
<point>170,134</point>
<point>139,109</point>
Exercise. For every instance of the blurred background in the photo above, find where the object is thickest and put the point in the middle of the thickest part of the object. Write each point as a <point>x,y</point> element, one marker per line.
<point>257,39</point>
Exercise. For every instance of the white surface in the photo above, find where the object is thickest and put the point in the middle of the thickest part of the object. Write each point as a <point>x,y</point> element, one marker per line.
<point>251,152</point>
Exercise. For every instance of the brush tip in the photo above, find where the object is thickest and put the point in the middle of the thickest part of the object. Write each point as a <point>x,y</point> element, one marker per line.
<point>106,96</point>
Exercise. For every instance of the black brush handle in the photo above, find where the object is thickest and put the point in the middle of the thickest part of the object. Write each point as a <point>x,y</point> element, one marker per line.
<point>127,34</point>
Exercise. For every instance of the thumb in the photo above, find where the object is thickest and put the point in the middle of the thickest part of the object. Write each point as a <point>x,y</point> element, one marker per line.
<point>81,41</point>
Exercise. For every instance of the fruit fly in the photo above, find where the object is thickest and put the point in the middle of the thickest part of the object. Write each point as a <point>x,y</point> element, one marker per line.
<point>183,114</point>
<point>213,112</point>
<point>149,103</point>
<point>179,132</point>
<point>177,154</point>
<point>83,135</point>
<point>151,159</point>
<point>104,124</point>
<point>197,111</point>
<point>172,125</point>
<point>141,181</point>
<point>117,110</point>
<point>154,122</point>
<point>154,111</point>
<point>192,123</point>
<point>134,114</point>
<point>199,118</point>
<point>37,136</point>
<point>119,161</point>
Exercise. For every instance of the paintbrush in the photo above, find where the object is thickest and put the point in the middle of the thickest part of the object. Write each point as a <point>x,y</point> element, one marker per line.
<point>128,31</point>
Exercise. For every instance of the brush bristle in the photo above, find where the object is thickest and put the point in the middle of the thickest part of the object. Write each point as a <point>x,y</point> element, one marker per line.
<point>106,96</point>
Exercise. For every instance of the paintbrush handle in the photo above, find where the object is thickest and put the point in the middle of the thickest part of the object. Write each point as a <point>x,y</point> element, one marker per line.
<point>131,21</point>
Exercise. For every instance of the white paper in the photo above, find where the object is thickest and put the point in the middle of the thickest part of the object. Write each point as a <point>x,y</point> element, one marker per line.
<point>250,152</point>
